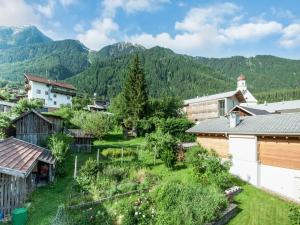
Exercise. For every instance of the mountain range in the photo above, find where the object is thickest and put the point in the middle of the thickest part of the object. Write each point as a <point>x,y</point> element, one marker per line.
<point>26,49</point>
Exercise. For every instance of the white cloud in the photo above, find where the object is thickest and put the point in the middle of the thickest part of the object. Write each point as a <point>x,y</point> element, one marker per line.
<point>67,2</point>
<point>198,19</point>
<point>291,36</point>
<point>100,33</point>
<point>16,13</point>
<point>130,6</point>
<point>283,13</point>
<point>47,9</point>
<point>252,31</point>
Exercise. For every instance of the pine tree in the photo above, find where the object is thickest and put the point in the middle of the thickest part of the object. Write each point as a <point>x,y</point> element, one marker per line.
<point>135,94</point>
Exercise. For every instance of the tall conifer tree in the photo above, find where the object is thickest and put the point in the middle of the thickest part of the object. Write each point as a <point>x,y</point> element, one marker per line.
<point>135,93</point>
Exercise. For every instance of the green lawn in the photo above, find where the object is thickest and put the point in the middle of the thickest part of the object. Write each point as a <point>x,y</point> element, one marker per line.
<point>256,206</point>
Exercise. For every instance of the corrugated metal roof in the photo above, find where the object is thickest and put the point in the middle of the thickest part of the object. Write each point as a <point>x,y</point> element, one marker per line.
<point>276,106</point>
<point>18,157</point>
<point>214,97</point>
<point>78,133</point>
<point>253,112</point>
<point>273,124</point>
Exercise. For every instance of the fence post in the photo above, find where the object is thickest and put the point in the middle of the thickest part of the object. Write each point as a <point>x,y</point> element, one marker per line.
<point>98,156</point>
<point>155,155</point>
<point>75,168</point>
<point>122,155</point>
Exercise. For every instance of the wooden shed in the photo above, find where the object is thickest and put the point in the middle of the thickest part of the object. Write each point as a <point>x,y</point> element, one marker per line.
<point>35,128</point>
<point>23,166</point>
<point>81,140</point>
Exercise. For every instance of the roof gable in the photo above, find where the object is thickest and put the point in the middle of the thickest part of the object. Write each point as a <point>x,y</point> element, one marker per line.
<point>17,157</point>
<point>43,80</point>
<point>250,111</point>
<point>29,112</point>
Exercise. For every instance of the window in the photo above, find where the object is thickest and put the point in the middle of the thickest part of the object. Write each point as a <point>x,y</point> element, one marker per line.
<point>68,97</point>
<point>38,91</point>
<point>54,102</point>
<point>54,95</point>
<point>46,93</point>
<point>222,108</point>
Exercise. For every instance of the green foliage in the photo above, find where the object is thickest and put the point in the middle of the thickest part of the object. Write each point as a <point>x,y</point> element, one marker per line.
<point>134,95</point>
<point>4,124</point>
<point>59,144</point>
<point>165,107</point>
<point>25,105</point>
<point>190,204</point>
<point>67,113</point>
<point>79,102</point>
<point>115,173</point>
<point>96,123</point>
<point>117,153</point>
<point>294,215</point>
<point>164,146</point>
<point>88,173</point>
<point>192,154</point>
<point>211,170</point>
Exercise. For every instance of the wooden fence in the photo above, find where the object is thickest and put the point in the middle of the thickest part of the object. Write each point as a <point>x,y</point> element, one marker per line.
<point>12,193</point>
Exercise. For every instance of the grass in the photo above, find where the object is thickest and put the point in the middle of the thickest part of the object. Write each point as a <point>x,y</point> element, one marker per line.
<point>256,206</point>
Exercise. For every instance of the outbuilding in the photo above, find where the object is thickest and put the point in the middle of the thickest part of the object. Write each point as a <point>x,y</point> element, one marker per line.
<point>23,167</point>
<point>81,140</point>
<point>265,149</point>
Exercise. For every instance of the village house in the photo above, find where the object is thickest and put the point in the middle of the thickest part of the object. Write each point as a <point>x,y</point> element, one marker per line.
<point>217,105</point>
<point>23,167</point>
<point>265,149</point>
<point>53,93</point>
<point>35,127</point>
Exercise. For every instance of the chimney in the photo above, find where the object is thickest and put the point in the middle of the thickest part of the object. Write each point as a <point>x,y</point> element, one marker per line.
<point>234,119</point>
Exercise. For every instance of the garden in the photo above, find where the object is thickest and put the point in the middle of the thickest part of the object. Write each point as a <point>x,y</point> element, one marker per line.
<point>137,174</point>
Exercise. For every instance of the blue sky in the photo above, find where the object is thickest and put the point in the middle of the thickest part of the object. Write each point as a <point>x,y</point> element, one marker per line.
<point>199,28</point>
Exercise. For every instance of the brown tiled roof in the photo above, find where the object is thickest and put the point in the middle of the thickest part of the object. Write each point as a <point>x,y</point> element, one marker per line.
<point>18,157</point>
<point>46,81</point>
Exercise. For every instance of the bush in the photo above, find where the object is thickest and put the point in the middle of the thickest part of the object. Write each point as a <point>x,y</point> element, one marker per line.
<point>164,145</point>
<point>59,144</point>
<point>88,173</point>
<point>4,124</point>
<point>294,215</point>
<point>97,123</point>
<point>25,105</point>
<point>190,204</point>
<point>210,170</point>
<point>115,173</point>
<point>117,153</point>
<point>192,154</point>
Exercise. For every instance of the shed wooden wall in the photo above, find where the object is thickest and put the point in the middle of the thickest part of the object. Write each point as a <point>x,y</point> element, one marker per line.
<point>218,143</point>
<point>279,152</point>
<point>33,129</point>
<point>203,110</point>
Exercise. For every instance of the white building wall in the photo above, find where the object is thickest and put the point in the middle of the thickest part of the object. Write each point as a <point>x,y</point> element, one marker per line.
<point>281,180</point>
<point>243,149</point>
<point>49,99</point>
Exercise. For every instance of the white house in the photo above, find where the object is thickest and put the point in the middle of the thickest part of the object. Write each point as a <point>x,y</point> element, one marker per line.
<point>217,105</point>
<point>265,149</point>
<point>53,93</point>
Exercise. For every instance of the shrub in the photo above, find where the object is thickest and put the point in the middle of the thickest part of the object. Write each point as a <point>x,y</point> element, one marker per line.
<point>115,173</point>
<point>88,173</point>
<point>97,123</point>
<point>4,124</point>
<point>117,153</point>
<point>164,145</point>
<point>211,170</point>
<point>193,153</point>
<point>25,105</point>
<point>190,204</point>
<point>294,215</point>
<point>59,144</point>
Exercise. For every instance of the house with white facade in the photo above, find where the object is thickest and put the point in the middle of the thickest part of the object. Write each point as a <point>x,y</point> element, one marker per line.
<point>217,105</point>
<point>264,149</point>
<point>53,93</point>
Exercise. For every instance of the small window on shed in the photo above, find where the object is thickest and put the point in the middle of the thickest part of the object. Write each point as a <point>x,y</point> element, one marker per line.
<point>38,91</point>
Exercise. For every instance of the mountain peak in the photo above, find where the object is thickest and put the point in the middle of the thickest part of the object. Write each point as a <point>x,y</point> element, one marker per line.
<point>21,36</point>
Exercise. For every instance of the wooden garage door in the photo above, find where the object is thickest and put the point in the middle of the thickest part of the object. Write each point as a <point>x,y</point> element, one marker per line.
<point>219,144</point>
<point>279,152</point>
